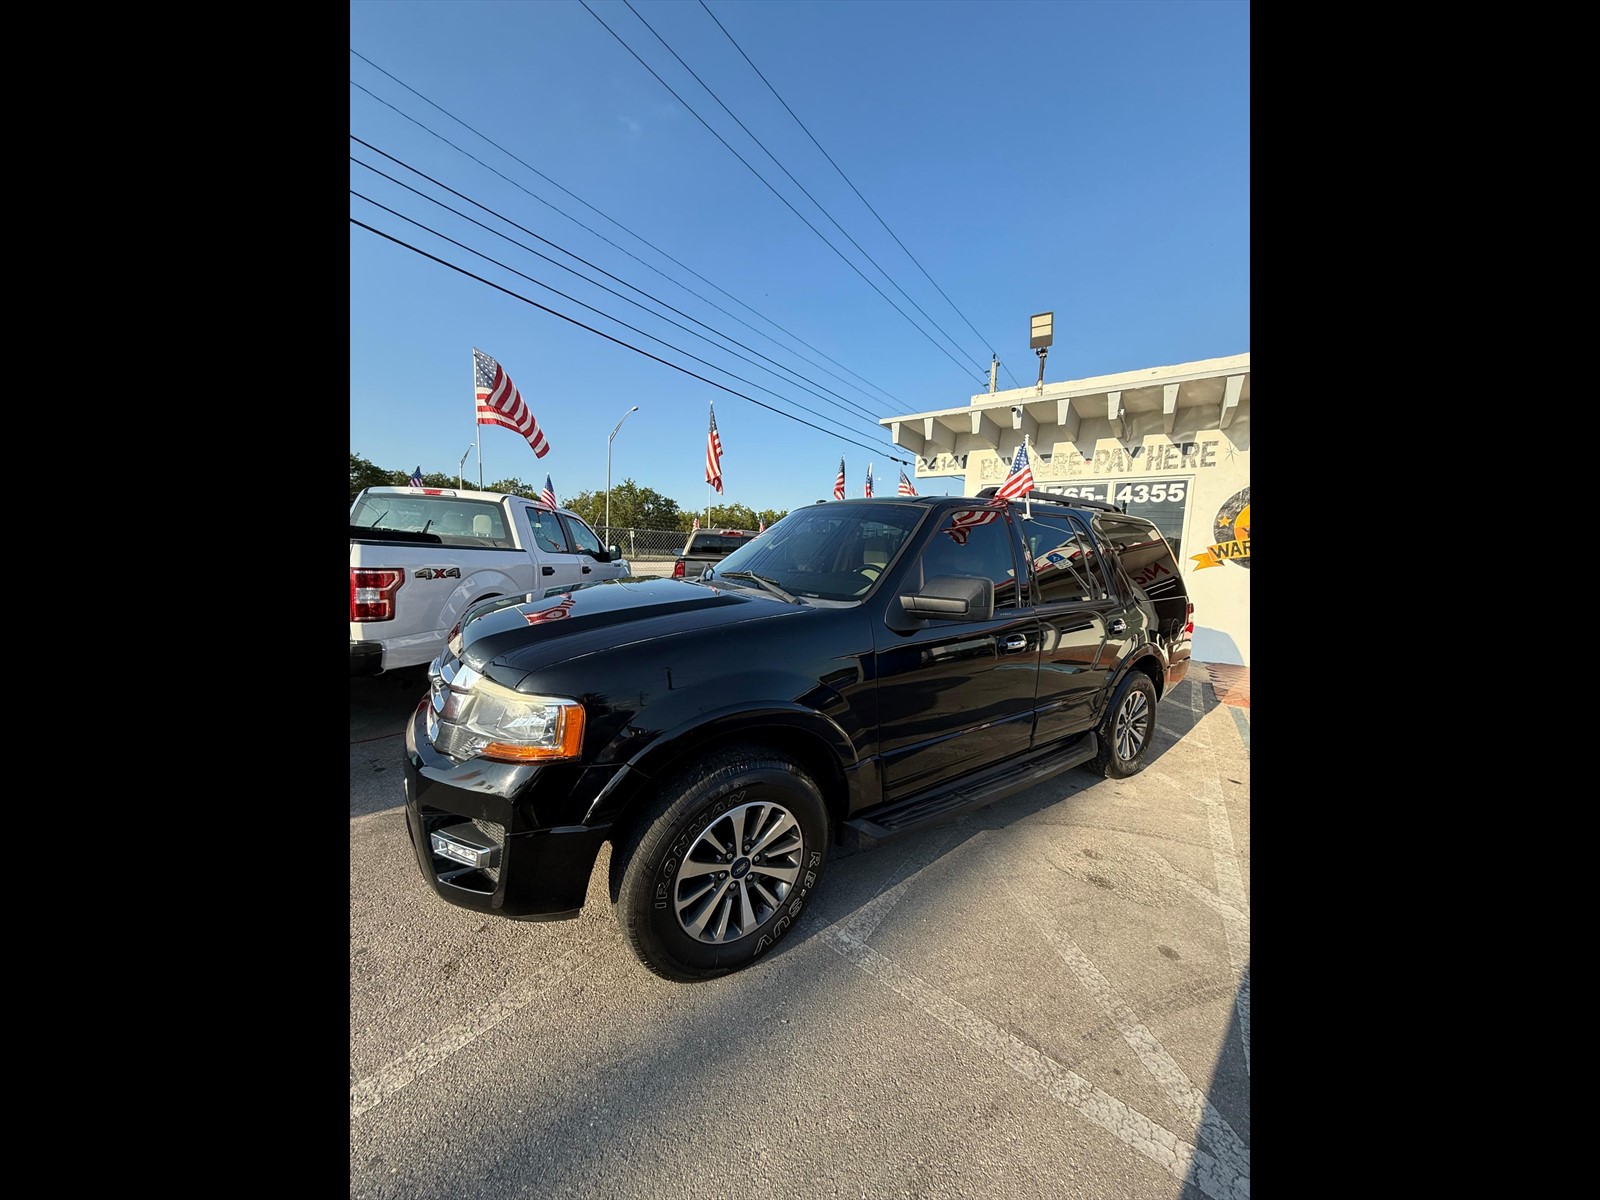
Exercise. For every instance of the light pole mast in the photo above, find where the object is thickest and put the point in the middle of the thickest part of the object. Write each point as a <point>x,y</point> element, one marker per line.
<point>609,440</point>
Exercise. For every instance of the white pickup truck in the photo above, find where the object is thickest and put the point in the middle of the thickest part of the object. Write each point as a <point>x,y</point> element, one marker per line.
<point>420,557</point>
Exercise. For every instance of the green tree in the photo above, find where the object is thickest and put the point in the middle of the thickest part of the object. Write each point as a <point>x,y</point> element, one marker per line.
<point>364,474</point>
<point>632,507</point>
<point>730,516</point>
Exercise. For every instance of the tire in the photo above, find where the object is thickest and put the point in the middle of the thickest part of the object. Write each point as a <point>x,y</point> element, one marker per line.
<point>691,901</point>
<point>1128,729</point>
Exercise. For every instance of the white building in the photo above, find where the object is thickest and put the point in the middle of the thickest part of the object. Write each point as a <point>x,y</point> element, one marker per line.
<point>1171,444</point>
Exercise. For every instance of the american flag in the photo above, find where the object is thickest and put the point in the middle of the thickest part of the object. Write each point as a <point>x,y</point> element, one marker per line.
<point>905,486</point>
<point>714,455</point>
<point>548,496</point>
<point>838,484</point>
<point>963,521</point>
<point>761,525</point>
<point>552,614</point>
<point>500,403</point>
<point>869,481</point>
<point>416,476</point>
<point>695,526</point>
<point>1021,478</point>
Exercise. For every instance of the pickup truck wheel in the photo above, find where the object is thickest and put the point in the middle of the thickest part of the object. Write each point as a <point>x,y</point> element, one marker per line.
<point>1126,732</point>
<point>719,867</point>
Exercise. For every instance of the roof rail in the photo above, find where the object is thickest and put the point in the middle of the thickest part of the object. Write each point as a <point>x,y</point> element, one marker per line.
<point>1038,493</point>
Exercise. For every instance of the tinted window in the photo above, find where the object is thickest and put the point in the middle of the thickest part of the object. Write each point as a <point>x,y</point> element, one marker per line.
<point>455,521</point>
<point>1065,565</point>
<point>583,537</point>
<point>826,552</point>
<point>1144,554</point>
<point>972,542</point>
<point>713,543</point>
<point>547,532</point>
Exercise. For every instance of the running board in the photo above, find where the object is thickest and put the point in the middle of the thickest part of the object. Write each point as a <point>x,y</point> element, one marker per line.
<point>995,783</point>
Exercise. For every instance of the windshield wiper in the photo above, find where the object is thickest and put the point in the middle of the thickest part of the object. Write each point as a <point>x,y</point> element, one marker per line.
<point>770,584</point>
<point>377,518</point>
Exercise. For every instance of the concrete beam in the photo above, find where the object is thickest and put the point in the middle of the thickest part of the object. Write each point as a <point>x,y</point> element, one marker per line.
<point>1022,420</point>
<point>1169,407</point>
<point>1067,417</point>
<point>936,437</point>
<point>985,427</point>
<point>903,433</point>
<point>1114,414</point>
<point>1230,400</point>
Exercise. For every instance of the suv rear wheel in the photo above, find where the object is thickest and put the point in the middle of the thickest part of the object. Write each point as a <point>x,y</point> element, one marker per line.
<point>718,868</point>
<point>1128,728</point>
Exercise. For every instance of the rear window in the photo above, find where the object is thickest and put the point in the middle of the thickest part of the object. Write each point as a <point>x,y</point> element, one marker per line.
<point>454,521</point>
<point>713,543</point>
<point>1145,556</point>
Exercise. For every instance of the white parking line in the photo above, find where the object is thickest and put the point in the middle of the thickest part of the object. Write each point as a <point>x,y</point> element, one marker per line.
<point>1230,889</point>
<point>1164,1069</point>
<point>419,1060</point>
<point>1161,1146</point>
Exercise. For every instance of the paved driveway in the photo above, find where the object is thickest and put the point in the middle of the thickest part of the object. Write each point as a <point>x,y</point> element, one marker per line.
<point>1048,998</point>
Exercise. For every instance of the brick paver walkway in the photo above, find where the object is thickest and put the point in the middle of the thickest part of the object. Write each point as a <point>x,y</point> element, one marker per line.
<point>1230,682</point>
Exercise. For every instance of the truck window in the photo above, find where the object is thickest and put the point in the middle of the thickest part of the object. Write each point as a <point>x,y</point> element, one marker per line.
<point>547,532</point>
<point>585,539</point>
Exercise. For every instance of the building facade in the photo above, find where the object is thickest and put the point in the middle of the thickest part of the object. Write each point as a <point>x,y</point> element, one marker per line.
<point>1171,444</point>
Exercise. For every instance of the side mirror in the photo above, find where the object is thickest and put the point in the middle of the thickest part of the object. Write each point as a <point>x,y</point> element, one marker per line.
<point>951,598</point>
<point>615,553</point>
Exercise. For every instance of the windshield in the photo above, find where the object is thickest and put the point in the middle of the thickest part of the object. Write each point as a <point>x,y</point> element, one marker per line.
<point>827,552</point>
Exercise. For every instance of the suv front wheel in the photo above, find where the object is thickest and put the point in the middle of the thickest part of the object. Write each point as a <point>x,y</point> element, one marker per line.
<point>718,868</point>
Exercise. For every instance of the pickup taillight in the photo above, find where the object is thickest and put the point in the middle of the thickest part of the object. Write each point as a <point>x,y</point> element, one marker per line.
<point>372,593</point>
<point>677,569</point>
<point>1189,619</point>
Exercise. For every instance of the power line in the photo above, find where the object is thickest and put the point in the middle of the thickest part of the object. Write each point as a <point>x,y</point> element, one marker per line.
<point>853,188</point>
<point>627,345</point>
<point>613,220</point>
<point>795,181</point>
<point>564,295</point>
<point>801,381</point>
<point>770,188</point>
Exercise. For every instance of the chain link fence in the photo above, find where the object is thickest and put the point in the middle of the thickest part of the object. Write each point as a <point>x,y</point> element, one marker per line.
<point>646,545</point>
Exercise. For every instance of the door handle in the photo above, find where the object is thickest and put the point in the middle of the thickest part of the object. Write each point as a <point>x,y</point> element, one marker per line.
<point>586,570</point>
<point>1118,626</point>
<point>1015,642</point>
<point>547,570</point>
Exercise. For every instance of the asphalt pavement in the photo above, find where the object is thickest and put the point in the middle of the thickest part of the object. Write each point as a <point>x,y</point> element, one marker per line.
<point>1047,998</point>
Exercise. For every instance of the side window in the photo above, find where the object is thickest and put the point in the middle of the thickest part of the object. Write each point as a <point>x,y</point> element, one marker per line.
<point>1144,555</point>
<point>547,535</point>
<point>973,542</point>
<point>584,538</point>
<point>1066,566</point>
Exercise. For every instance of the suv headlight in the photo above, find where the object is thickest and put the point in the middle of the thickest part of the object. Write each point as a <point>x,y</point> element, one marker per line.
<point>477,718</point>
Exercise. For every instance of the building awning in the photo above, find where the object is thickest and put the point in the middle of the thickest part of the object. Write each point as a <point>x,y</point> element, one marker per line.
<point>1177,401</point>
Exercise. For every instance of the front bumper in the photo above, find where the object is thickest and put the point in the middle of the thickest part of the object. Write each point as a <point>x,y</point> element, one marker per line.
<point>535,855</point>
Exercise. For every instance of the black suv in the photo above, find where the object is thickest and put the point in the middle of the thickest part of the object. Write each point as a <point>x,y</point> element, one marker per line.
<point>862,668</point>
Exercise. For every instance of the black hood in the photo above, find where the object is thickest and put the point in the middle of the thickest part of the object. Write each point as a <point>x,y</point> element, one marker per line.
<point>528,633</point>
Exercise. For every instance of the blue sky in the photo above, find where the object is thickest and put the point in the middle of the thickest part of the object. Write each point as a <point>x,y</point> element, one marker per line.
<point>955,168</point>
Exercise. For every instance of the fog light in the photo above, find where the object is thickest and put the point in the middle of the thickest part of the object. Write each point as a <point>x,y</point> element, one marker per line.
<point>465,844</point>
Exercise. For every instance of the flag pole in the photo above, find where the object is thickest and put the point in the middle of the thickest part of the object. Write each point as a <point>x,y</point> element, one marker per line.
<point>476,425</point>
<point>1027,499</point>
